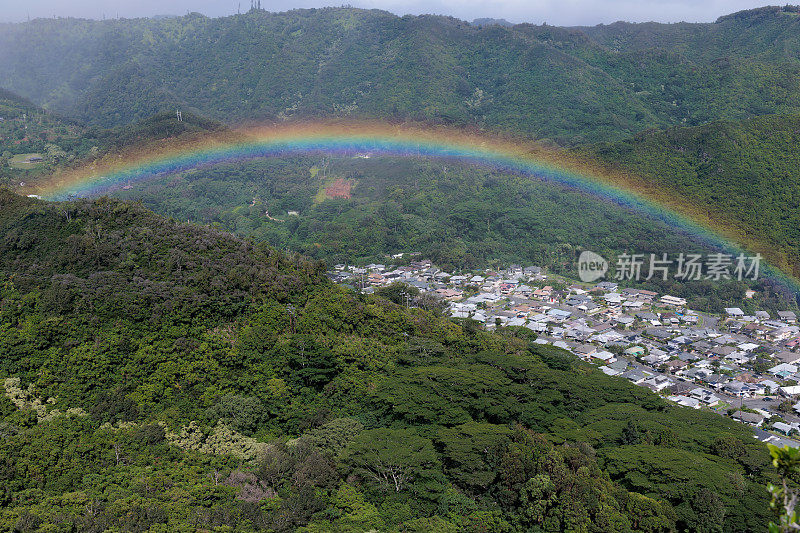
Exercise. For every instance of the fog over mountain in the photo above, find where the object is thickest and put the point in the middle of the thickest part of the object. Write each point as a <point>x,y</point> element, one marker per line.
<point>567,12</point>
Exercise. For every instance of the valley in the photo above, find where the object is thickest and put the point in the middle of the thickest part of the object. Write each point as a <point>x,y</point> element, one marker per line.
<point>340,269</point>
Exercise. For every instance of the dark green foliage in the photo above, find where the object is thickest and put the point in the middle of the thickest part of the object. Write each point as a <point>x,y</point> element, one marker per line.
<point>334,436</point>
<point>402,205</point>
<point>404,420</point>
<point>395,460</point>
<point>242,413</point>
<point>571,85</point>
<point>745,171</point>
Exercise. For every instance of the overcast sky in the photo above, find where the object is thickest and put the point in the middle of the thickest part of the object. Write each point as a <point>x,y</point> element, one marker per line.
<point>557,12</point>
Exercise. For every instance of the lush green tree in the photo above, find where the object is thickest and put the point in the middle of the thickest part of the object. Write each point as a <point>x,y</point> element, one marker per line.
<point>394,460</point>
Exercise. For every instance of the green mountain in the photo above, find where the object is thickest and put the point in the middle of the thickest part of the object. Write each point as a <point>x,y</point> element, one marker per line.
<point>163,376</point>
<point>745,172</point>
<point>569,85</point>
<point>28,131</point>
<point>460,216</point>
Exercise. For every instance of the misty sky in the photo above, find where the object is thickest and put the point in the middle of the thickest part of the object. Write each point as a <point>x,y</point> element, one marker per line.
<point>558,12</point>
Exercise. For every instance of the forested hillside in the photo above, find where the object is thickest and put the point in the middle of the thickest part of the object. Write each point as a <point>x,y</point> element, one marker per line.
<point>170,377</point>
<point>28,131</point>
<point>570,86</point>
<point>746,172</point>
<point>460,216</point>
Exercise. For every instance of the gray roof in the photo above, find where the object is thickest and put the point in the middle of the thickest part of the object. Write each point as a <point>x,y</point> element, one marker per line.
<point>750,418</point>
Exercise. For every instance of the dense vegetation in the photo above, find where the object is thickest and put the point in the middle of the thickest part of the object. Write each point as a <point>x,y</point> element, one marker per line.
<point>460,216</point>
<point>745,172</point>
<point>28,129</point>
<point>572,85</point>
<point>165,377</point>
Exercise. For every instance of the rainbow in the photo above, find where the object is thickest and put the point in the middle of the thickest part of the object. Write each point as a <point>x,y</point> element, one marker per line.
<point>381,139</point>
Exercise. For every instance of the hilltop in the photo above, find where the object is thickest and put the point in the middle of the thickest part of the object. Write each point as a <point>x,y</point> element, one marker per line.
<point>567,85</point>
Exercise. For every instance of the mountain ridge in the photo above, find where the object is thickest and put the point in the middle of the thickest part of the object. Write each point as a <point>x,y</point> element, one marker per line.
<point>569,85</point>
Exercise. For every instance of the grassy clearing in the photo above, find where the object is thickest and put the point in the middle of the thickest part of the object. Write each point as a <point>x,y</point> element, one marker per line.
<point>23,161</point>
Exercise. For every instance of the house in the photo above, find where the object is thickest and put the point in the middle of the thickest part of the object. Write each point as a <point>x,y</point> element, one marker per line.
<point>688,357</point>
<point>748,346</point>
<point>544,293</point>
<point>784,428</point>
<point>608,338</point>
<point>657,383</point>
<point>782,333</point>
<point>538,327</point>
<point>636,376</point>
<point>672,301</point>
<point>449,294</point>
<point>559,314</point>
<point>702,347</point>
<point>575,301</point>
<point>625,321</point>
<point>783,370</point>
<point>792,390</point>
<point>619,364</point>
<point>787,357</point>
<point>704,395</point>
<point>676,365</point>
<point>607,286</point>
<point>606,357</point>
<point>699,374</point>
<point>771,386</point>
<point>737,388</point>
<point>685,401</point>
<point>787,316</point>
<point>748,418</point>
<point>653,360</point>
<point>608,371</point>
<point>639,294</point>
<point>561,344</point>
<point>690,319</point>
<point>585,350</point>
<point>723,350</point>
<point>734,311</point>
<point>658,333</point>
<point>632,305</point>
<point>739,358</point>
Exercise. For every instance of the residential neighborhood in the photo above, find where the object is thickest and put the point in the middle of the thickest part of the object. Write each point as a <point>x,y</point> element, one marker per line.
<point>743,366</point>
